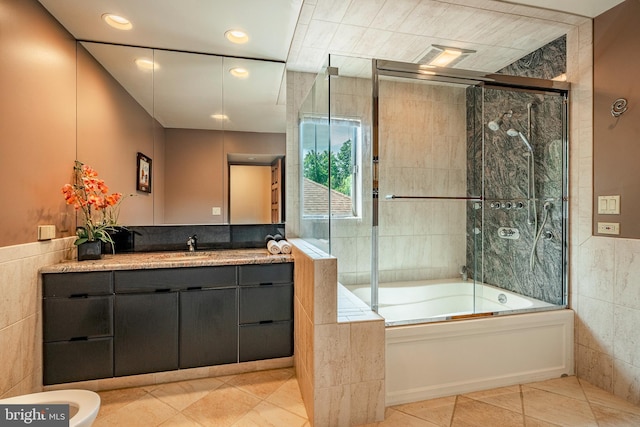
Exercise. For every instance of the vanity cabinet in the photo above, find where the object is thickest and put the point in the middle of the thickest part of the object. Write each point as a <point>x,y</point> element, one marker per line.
<point>78,326</point>
<point>126,322</point>
<point>266,311</point>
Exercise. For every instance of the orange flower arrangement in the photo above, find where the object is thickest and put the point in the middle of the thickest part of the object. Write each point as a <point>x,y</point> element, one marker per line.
<point>89,195</point>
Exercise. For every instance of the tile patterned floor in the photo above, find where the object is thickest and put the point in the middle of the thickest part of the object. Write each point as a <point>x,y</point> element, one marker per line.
<point>272,398</point>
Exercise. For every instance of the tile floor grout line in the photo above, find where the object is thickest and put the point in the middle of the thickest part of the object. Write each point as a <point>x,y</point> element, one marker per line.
<point>453,413</point>
<point>586,398</point>
<point>524,415</point>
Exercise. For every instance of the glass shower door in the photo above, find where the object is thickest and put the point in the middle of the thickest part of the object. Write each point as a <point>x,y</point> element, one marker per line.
<point>430,205</point>
<point>525,195</point>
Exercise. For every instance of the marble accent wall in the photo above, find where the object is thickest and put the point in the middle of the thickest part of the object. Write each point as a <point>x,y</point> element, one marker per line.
<point>548,62</point>
<point>339,365</point>
<point>21,312</point>
<point>506,171</point>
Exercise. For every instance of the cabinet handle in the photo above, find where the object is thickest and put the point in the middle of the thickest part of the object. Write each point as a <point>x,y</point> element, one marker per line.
<point>79,339</point>
<point>266,284</point>
<point>262,322</point>
<point>162,290</point>
<point>79,296</point>
<point>194,288</point>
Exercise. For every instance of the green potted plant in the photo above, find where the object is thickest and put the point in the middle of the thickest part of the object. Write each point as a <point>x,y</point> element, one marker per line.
<point>99,211</point>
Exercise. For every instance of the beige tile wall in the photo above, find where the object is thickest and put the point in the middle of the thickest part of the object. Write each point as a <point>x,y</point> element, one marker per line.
<point>21,312</point>
<point>604,271</point>
<point>339,366</point>
<point>422,153</point>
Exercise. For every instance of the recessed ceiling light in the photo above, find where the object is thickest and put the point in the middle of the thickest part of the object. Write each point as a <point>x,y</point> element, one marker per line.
<point>445,57</point>
<point>145,64</point>
<point>239,72</point>
<point>237,36</point>
<point>116,21</point>
<point>219,117</point>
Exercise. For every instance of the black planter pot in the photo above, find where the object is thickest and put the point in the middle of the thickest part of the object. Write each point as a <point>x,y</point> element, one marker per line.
<point>90,250</point>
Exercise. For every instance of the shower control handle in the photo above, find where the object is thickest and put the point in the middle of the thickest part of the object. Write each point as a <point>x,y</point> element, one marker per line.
<point>508,233</point>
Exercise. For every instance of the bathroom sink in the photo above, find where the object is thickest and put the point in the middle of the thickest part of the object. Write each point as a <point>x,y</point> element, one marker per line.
<point>184,256</point>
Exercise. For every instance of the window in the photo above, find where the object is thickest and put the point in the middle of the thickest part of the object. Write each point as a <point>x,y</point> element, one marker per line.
<point>330,159</point>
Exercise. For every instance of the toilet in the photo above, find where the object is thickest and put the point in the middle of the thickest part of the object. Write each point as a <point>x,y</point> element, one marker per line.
<point>83,404</point>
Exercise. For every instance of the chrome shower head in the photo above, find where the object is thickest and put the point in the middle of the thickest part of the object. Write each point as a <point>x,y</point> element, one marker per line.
<point>513,132</point>
<point>494,125</point>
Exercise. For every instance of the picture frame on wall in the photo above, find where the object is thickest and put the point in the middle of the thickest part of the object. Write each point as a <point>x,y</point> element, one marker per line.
<point>143,172</point>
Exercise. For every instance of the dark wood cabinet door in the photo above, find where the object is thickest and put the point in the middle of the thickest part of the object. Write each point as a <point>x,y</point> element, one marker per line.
<point>146,333</point>
<point>208,327</point>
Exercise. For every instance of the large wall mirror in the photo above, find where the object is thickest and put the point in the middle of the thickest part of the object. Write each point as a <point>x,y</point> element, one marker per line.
<point>195,116</point>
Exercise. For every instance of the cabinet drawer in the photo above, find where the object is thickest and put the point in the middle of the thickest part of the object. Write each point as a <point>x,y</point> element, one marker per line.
<point>69,318</point>
<point>266,273</point>
<point>266,341</point>
<point>77,360</point>
<point>266,302</point>
<point>174,278</point>
<point>75,284</point>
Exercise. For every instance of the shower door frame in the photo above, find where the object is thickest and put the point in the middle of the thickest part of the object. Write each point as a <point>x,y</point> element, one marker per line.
<point>469,78</point>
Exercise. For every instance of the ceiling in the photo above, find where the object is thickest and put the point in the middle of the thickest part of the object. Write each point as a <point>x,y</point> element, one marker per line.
<point>303,32</point>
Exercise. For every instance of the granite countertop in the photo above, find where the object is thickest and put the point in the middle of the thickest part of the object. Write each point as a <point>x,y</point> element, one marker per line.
<point>150,260</point>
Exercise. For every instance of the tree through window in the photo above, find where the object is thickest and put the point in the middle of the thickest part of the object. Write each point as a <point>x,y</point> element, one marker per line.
<point>330,166</point>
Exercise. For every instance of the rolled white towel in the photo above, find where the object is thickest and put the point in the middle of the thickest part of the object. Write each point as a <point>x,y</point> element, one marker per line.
<point>273,247</point>
<point>285,247</point>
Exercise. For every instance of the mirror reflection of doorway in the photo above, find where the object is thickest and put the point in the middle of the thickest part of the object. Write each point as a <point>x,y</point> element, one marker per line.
<point>250,194</point>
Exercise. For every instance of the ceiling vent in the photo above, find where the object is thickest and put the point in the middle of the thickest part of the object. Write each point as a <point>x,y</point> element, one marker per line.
<point>444,56</point>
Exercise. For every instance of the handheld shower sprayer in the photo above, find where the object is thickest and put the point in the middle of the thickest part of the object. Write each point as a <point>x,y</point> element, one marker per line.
<point>513,132</point>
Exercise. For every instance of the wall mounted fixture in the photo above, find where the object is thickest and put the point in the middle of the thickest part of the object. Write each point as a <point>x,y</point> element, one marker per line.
<point>618,107</point>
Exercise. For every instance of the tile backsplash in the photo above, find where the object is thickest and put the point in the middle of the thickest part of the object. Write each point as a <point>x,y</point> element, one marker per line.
<point>174,237</point>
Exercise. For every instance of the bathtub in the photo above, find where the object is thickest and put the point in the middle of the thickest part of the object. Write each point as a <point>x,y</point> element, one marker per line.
<point>443,299</point>
<point>437,358</point>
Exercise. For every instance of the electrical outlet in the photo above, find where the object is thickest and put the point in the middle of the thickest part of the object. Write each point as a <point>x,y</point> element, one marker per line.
<point>46,232</point>
<point>216,211</point>
<point>609,228</point>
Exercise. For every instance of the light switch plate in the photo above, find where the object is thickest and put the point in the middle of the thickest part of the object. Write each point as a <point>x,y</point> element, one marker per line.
<point>216,211</point>
<point>609,228</point>
<point>609,205</point>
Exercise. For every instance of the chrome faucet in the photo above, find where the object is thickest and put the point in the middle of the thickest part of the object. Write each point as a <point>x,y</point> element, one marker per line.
<point>463,273</point>
<point>192,243</point>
